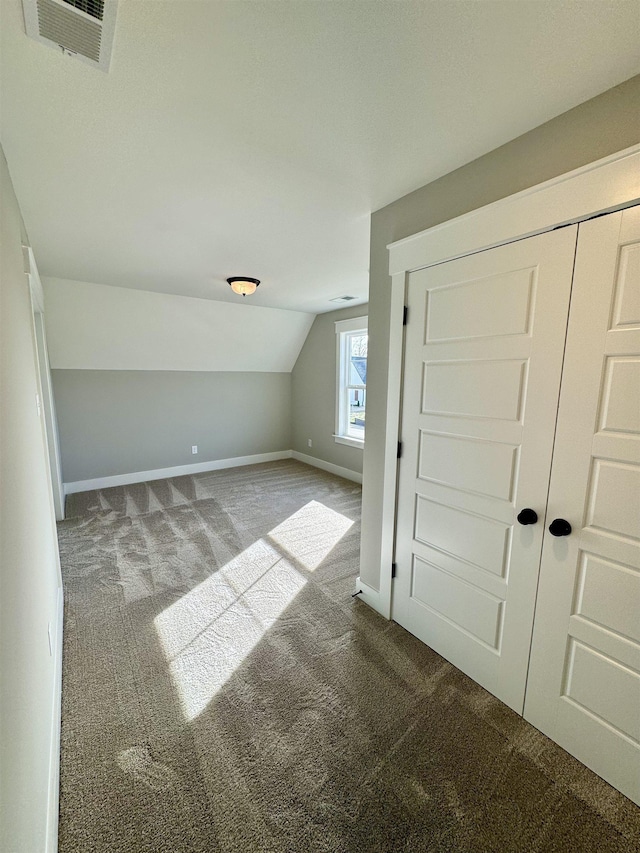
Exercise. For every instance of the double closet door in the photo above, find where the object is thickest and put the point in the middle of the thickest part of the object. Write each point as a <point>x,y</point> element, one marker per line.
<point>518,527</point>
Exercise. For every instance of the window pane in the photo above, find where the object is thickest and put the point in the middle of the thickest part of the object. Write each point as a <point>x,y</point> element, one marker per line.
<point>358,344</point>
<point>357,407</point>
<point>352,349</point>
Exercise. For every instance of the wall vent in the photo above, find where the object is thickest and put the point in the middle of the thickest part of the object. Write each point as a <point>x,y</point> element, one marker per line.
<point>95,8</point>
<point>80,28</point>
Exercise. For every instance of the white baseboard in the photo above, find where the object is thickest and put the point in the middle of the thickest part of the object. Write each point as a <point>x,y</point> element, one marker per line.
<point>200,467</point>
<point>53,804</point>
<point>175,471</point>
<point>373,598</point>
<point>347,473</point>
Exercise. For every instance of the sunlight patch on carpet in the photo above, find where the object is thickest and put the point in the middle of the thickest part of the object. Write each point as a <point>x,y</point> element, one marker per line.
<point>208,633</point>
<point>311,533</point>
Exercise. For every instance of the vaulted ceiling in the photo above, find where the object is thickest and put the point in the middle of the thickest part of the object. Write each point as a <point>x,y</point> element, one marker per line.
<point>255,138</point>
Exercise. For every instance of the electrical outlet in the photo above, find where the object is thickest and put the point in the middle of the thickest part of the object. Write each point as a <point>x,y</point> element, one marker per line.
<point>309,442</point>
<point>194,448</point>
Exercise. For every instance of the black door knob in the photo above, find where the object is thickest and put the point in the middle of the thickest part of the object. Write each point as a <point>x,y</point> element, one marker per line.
<point>527,516</point>
<point>559,527</point>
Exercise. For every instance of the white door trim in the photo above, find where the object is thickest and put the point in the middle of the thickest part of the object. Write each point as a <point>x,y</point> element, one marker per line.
<point>608,184</point>
<point>380,599</point>
<point>601,187</point>
<point>46,390</point>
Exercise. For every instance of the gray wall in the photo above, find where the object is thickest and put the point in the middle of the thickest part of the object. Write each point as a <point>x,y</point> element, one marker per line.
<point>123,421</point>
<point>601,126</point>
<point>314,393</point>
<point>30,576</point>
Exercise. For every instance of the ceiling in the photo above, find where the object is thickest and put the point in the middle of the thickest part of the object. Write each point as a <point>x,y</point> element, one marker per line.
<point>255,138</point>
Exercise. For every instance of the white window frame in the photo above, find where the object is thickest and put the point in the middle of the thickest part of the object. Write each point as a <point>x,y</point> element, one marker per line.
<point>344,329</point>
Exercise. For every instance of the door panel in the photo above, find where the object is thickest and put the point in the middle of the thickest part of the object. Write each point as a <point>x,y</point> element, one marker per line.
<point>607,594</point>
<point>469,464</point>
<point>465,311</point>
<point>622,377</point>
<point>480,541</point>
<point>604,688</point>
<point>464,604</point>
<point>474,389</point>
<point>608,504</point>
<point>584,679</point>
<point>626,310</point>
<point>483,358</point>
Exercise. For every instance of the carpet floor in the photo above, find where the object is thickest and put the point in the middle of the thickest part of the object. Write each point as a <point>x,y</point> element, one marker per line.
<point>223,693</point>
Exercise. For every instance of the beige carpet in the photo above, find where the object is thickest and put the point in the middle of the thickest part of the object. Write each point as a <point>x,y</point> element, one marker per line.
<point>222,691</point>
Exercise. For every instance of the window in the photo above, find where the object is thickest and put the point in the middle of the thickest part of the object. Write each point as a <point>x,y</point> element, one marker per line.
<point>351,384</point>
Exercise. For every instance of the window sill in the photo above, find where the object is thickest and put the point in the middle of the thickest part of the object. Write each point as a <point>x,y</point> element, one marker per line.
<point>350,442</point>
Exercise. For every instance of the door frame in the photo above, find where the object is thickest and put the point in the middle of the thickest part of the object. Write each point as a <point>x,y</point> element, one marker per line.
<point>609,184</point>
<point>46,400</point>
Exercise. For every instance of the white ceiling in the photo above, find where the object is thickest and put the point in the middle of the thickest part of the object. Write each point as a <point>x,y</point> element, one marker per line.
<point>255,138</point>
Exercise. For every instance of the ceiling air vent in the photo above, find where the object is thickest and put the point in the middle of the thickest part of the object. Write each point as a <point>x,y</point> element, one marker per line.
<point>80,28</point>
<point>343,299</point>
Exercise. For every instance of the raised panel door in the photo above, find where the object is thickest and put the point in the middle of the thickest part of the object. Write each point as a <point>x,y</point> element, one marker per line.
<point>483,359</point>
<point>584,679</point>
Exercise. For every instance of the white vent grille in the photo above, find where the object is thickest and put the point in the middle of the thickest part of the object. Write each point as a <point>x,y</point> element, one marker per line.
<point>95,8</point>
<point>69,30</point>
<point>343,299</point>
<point>82,28</point>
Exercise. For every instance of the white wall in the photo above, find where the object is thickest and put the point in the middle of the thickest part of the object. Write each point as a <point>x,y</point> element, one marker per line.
<point>29,569</point>
<point>96,327</point>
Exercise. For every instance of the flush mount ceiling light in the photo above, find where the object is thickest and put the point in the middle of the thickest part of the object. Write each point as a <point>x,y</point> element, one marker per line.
<point>242,285</point>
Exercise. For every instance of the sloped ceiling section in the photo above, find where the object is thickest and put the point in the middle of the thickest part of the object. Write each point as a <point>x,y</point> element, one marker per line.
<point>98,327</point>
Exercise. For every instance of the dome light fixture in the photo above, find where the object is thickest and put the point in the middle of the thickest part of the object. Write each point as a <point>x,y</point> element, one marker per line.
<point>242,285</point>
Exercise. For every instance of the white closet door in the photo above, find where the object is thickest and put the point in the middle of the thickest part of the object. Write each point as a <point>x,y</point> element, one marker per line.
<point>483,357</point>
<point>584,678</point>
